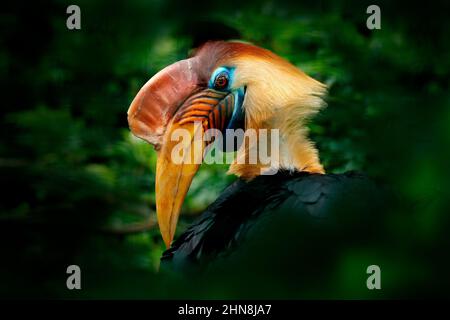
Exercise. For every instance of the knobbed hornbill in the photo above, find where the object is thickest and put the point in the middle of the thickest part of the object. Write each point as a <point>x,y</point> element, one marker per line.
<point>231,85</point>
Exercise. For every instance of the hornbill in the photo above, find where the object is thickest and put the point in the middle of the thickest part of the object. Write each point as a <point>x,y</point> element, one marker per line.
<point>235,85</point>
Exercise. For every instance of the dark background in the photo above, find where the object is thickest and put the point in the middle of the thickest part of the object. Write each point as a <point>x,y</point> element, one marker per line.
<point>77,188</point>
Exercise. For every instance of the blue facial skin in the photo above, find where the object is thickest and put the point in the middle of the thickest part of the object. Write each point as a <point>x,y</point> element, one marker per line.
<point>237,120</point>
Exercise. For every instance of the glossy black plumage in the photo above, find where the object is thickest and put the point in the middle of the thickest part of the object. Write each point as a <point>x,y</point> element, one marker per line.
<point>282,212</point>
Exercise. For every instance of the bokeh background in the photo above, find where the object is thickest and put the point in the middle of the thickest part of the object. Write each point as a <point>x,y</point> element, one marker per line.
<point>77,188</point>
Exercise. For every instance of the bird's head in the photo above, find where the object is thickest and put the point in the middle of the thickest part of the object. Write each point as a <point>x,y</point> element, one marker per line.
<point>223,85</point>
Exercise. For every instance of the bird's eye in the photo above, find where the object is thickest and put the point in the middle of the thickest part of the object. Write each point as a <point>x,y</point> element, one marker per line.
<point>221,81</point>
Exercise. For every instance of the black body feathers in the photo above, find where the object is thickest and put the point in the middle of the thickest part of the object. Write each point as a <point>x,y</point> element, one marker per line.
<point>277,217</point>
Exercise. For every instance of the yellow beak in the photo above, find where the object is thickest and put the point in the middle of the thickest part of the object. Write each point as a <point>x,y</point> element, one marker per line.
<point>178,161</point>
<point>176,131</point>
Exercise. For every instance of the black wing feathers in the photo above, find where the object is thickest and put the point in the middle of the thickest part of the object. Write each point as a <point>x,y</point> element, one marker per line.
<point>247,210</point>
